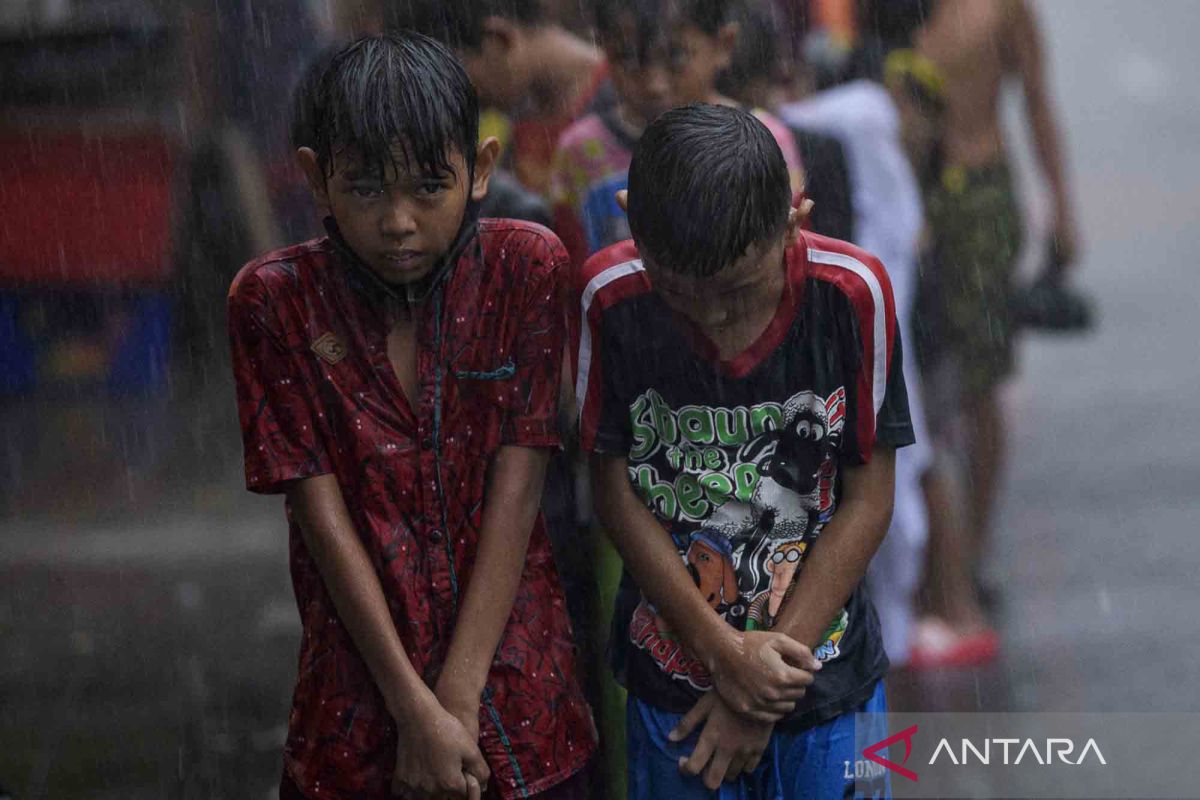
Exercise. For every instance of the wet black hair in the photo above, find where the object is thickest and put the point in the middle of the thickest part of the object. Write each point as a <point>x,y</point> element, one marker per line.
<point>606,16</point>
<point>459,23</point>
<point>706,183</point>
<point>398,96</point>
<point>650,16</point>
<point>649,32</point>
<point>707,15</point>
<point>301,132</point>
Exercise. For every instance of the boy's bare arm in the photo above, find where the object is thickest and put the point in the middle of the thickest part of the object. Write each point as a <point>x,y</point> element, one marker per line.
<point>1027,49</point>
<point>434,750</point>
<point>729,743</point>
<point>840,556</point>
<point>748,668</point>
<point>512,498</point>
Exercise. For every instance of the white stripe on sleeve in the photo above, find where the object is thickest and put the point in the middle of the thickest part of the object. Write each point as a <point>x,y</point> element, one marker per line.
<point>613,273</point>
<point>879,318</point>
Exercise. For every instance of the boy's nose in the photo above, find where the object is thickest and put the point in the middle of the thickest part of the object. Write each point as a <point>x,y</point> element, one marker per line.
<point>399,221</point>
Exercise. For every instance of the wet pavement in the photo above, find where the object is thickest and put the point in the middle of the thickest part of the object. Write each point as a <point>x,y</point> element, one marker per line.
<point>148,627</point>
<point>148,631</point>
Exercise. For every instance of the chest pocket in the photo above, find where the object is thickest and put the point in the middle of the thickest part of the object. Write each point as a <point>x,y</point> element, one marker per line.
<point>487,384</point>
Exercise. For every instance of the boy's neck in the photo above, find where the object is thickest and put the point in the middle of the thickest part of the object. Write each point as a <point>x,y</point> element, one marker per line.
<point>566,67</point>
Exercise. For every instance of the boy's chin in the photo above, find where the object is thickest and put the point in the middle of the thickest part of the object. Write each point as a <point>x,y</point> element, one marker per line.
<point>399,278</point>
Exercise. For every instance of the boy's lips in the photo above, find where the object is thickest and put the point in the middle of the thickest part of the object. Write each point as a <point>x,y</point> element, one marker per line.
<point>404,259</point>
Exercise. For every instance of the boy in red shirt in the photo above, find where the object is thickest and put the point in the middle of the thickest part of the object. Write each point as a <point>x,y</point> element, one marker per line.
<point>398,380</point>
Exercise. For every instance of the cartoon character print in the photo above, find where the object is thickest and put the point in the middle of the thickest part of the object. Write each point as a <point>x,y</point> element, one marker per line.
<point>831,647</point>
<point>782,566</point>
<point>746,556</point>
<point>791,497</point>
<point>709,560</point>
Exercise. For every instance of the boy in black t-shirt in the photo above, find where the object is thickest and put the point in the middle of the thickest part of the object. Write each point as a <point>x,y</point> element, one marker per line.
<point>742,398</point>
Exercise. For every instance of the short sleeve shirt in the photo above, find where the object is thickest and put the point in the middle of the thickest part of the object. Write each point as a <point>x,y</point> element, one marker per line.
<point>318,395</point>
<point>740,460</point>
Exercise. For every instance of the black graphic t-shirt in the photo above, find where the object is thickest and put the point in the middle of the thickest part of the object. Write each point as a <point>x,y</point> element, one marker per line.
<point>739,460</point>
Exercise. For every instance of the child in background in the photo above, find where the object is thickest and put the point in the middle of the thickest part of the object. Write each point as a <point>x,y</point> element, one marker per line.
<point>969,352</point>
<point>398,381</point>
<point>661,53</point>
<point>704,39</point>
<point>742,397</point>
<point>591,163</point>
<point>522,63</point>
<point>757,76</point>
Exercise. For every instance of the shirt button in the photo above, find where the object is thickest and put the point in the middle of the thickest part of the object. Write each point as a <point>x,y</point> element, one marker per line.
<point>436,535</point>
<point>427,443</point>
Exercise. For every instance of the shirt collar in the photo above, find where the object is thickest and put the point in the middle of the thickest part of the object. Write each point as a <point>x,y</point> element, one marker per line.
<point>364,280</point>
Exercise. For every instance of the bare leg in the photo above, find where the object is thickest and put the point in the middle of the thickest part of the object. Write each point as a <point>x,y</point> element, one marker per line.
<point>948,591</point>
<point>985,420</point>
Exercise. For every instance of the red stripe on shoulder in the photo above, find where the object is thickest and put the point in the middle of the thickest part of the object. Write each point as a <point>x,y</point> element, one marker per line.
<point>873,264</point>
<point>861,277</point>
<point>858,289</point>
<point>610,276</point>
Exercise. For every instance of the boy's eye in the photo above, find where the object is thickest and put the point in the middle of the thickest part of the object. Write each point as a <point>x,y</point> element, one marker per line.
<point>366,190</point>
<point>431,187</point>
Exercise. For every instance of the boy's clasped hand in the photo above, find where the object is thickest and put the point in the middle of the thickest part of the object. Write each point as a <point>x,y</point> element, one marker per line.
<point>759,676</point>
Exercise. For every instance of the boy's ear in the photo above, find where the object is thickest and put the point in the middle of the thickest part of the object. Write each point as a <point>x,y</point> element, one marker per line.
<point>485,162</point>
<point>306,158</point>
<point>623,200</point>
<point>795,219</point>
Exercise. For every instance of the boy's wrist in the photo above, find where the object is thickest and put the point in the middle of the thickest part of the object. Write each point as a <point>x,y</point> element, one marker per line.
<point>457,690</point>
<point>716,645</point>
<point>406,702</point>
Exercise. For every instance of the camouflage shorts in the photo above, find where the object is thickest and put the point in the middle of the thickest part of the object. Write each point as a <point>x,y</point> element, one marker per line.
<point>964,288</point>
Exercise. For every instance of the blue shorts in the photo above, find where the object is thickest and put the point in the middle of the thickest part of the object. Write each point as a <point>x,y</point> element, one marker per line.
<point>818,763</point>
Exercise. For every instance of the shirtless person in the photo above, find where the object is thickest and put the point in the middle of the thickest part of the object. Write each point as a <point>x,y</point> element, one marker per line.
<point>975,223</point>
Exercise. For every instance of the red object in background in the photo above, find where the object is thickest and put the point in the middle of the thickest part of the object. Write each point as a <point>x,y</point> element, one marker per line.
<point>82,210</point>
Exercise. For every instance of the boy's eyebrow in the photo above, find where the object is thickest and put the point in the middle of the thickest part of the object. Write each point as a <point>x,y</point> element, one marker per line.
<point>360,174</point>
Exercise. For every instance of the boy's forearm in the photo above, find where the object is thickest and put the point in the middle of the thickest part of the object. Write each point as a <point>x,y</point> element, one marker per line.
<point>512,499</point>
<point>841,554</point>
<point>1030,63</point>
<point>652,559</point>
<point>1046,145</point>
<point>320,511</point>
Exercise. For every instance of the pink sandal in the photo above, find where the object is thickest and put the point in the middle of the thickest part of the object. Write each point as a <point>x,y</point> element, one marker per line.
<point>937,646</point>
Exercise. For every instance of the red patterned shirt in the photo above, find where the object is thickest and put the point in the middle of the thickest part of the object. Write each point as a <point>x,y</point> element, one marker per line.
<point>317,394</point>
